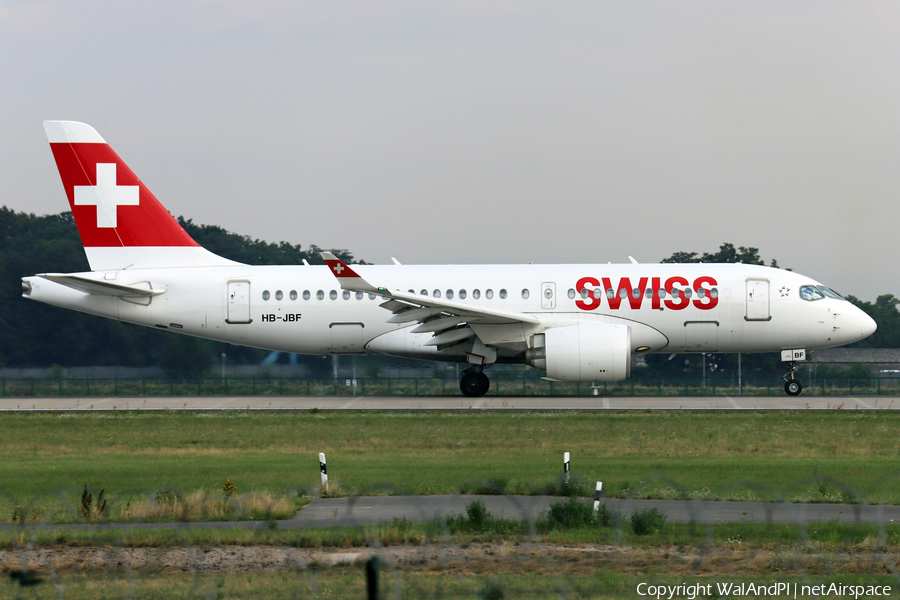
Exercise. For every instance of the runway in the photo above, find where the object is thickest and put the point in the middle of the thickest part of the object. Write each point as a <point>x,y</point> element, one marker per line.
<point>451,403</point>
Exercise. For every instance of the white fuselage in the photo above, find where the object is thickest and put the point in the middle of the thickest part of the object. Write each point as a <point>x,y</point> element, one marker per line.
<point>731,308</point>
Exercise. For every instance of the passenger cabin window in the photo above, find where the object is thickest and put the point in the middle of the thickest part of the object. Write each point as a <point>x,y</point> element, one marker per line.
<point>489,294</point>
<point>279,295</point>
<point>571,294</point>
<point>503,294</point>
<point>333,294</point>
<point>266,294</point>
<point>293,294</point>
<point>306,294</point>
<point>320,295</point>
<point>462,294</point>
<point>424,293</point>
<point>525,294</point>
<point>437,293</point>
<point>346,294</point>
<point>476,293</point>
<point>359,295</point>
<point>449,294</point>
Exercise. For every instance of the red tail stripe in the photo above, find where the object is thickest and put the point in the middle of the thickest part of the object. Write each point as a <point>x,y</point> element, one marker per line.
<point>147,224</point>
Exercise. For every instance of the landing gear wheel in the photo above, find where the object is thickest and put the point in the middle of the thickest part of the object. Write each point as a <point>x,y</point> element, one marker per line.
<point>474,384</point>
<point>793,387</point>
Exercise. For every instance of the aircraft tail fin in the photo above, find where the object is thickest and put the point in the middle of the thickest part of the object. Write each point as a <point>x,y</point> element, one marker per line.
<point>121,223</point>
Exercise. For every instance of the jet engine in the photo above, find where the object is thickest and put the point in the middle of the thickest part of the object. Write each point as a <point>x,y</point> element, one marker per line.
<point>583,352</point>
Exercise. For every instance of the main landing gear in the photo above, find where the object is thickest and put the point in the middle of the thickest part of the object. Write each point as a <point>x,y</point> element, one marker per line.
<point>791,385</point>
<point>474,382</point>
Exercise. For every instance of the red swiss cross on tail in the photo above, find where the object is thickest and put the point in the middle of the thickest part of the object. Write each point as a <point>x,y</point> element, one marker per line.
<point>110,204</point>
<point>348,278</point>
<point>121,223</point>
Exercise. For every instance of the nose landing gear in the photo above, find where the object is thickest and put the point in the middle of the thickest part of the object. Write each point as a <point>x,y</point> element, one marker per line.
<point>792,386</point>
<point>474,382</point>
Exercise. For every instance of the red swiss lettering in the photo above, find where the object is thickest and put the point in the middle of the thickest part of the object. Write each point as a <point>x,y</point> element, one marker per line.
<point>678,290</point>
<point>706,301</point>
<point>625,284</point>
<point>589,303</point>
<point>682,301</point>
<point>655,285</point>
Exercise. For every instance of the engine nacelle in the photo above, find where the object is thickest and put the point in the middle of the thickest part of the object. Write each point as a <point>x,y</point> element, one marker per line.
<point>583,352</point>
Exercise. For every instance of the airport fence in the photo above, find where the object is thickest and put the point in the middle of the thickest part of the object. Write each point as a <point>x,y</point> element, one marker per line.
<point>435,386</point>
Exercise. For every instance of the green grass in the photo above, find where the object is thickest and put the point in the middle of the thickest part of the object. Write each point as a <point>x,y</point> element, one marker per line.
<point>807,456</point>
<point>828,536</point>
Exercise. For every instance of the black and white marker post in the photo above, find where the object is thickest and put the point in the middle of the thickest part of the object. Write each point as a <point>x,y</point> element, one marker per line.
<point>324,471</point>
<point>597,497</point>
<point>566,464</point>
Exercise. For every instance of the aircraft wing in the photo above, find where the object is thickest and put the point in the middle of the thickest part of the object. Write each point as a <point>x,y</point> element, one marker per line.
<point>442,317</point>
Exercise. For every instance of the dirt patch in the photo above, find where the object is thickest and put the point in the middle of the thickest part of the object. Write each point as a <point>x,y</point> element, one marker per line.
<point>487,558</point>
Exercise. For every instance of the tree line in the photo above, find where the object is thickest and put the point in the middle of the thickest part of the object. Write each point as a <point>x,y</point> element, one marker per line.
<point>39,335</point>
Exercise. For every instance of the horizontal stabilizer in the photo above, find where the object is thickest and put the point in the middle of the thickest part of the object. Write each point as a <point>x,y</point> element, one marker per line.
<point>99,287</point>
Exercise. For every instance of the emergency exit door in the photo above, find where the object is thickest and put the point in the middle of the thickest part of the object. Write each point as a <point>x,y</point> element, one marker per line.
<point>238,302</point>
<point>757,300</point>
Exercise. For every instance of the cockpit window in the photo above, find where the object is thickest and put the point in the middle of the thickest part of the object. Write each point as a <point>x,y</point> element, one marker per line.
<point>810,293</point>
<point>830,293</point>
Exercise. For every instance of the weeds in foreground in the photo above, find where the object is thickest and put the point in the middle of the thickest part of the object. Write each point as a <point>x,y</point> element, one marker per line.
<point>648,520</point>
<point>164,504</point>
<point>88,509</point>
<point>574,513</point>
<point>205,506</point>
<point>479,520</point>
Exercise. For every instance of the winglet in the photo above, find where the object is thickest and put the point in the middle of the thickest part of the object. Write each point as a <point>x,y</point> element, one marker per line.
<point>347,277</point>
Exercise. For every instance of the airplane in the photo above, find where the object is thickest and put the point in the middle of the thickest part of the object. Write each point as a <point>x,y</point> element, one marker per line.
<point>577,322</point>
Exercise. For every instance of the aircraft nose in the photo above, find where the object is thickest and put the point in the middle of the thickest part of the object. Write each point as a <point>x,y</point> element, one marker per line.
<point>867,325</point>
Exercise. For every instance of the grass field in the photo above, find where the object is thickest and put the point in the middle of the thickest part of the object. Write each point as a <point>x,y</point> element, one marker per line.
<point>811,456</point>
<point>161,462</point>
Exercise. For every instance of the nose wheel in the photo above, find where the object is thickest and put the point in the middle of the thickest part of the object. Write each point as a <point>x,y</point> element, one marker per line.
<point>792,386</point>
<point>474,383</point>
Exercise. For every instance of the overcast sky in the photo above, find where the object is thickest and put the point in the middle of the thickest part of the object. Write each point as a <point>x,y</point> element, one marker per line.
<point>476,132</point>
